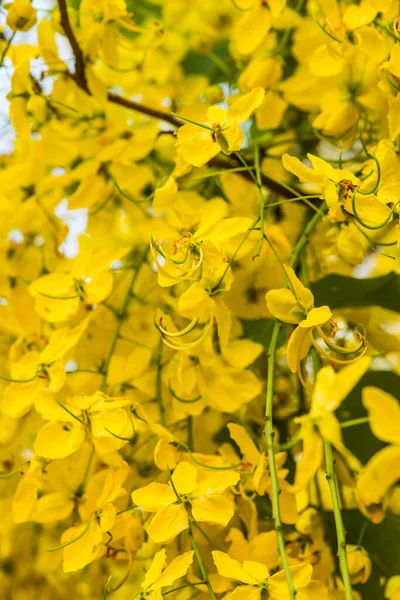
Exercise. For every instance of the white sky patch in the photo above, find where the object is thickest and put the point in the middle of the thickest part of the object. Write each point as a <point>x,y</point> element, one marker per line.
<point>77,223</point>
<point>71,366</point>
<point>15,236</point>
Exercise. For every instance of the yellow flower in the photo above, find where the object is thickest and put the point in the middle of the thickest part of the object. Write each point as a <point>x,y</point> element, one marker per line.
<point>360,565</point>
<point>338,187</point>
<point>392,589</point>
<point>197,144</point>
<point>256,461</point>
<point>296,305</point>
<point>21,15</point>
<point>39,374</point>
<point>255,578</point>
<point>84,542</point>
<point>321,423</point>
<point>90,280</point>
<point>380,474</point>
<point>202,490</point>
<point>160,575</point>
<point>107,421</point>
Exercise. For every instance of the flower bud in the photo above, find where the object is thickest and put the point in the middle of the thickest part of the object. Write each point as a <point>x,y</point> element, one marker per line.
<point>213,94</point>
<point>21,16</point>
<point>308,521</point>
<point>359,564</point>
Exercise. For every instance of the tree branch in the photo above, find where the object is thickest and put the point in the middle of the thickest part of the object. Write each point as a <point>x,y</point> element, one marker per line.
<point>145,110</point>
<point>80,79</point>
<point>79,76</point>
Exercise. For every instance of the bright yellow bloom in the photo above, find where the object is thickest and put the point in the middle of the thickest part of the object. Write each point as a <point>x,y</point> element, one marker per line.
<point>197,145</point>
<point>200,489</point>
<point>338,187</point>
<point>256,461</point>
<point>99,515</point>
<point>37,375</point>
<point>255,578</point>
<point>160,575</point>
<point>90,280</point>
<point>321,423</point>
<point>376,480</point>
<point>296,305</point>
<point>21,15</point>
<point>360,565</point>
<point>103,416</point>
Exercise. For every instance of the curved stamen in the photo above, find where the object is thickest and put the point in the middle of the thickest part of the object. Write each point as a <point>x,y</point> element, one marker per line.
<point>123,580</point>
<point>120,437</point>
<point>181,333</point>
<point>336,360</point>
<point>332,346</point>
<point>4,378</point>
<point>57,297</point>
<point>78,537</point>
<point>378,167</point>
<point>12,473</point>
<point>188,345</point>
<point>205,465</point>
<point>182,276</point>
<point>184,400</point>
<point>128,196</point>
<point>359,220</point>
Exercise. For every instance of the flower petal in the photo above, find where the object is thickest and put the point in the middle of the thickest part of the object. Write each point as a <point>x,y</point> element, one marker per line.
<point>168,523</point>
<point>384,414</point>
<point>213,509</point>
<point>185,478</point>
<point>154,497</point>
<point>231,568</point>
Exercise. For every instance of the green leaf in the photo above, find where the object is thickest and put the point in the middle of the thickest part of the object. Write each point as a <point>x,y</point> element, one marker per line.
<point>339,291</point>
<point>260,331</point>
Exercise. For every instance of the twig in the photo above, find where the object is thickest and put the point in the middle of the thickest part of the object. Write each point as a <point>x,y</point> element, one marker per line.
<point>80,78</point>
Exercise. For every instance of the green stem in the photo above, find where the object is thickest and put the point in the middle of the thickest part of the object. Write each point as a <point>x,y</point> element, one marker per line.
<point>6,49</point>
<point>261,199</point>
<point>308,230</point>
<point>181,587</point>
<point>120,318</point>
<point>160,404</point>
<point>352,422</point>
<point>331,478</point>
<point>269,434</point>
<point>192,122</point>
<point>74,540</point>
<point>340,530</point>
<point>200,562</point>
<point>268,429</point>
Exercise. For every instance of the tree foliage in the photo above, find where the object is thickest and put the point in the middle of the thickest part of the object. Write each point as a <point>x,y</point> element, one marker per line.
<point>199,300</point>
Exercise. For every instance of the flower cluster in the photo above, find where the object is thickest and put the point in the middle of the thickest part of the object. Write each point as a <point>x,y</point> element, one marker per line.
<point>199,300</point>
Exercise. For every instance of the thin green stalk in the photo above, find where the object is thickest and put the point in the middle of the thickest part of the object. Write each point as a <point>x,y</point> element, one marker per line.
<point>268,429</point>
<point>160,404</point>
<point>340,530</point>
<point>193,122</point>
<point>269,434</point>
<point>6,49</point>
<point>181,587</point>
<point>261,199</point>
<point>304,237</point>
<point>200,562</point>
<point>352,422</point>
<point>120,318</point>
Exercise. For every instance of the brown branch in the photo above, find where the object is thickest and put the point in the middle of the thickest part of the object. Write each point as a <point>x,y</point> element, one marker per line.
<point>146,110</point>
<point>80,78</point>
